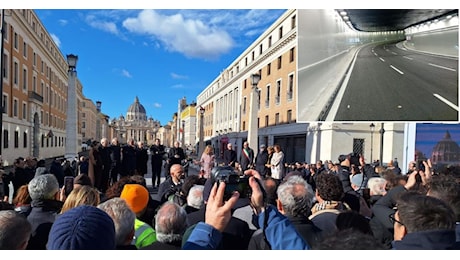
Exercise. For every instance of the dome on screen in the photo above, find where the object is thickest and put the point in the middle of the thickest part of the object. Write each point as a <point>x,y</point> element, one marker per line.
<point>446,151</point>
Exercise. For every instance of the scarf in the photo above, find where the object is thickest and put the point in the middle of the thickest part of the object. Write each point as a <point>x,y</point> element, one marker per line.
<point>329,205</point>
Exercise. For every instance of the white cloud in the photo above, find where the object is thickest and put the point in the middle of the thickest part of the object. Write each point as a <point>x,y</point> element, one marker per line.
<point>56,40</point>
<point>177,76</point>
<point>63,22</point>
<point>126,73</point>
<point>157,105</point>
<point>110,27</point>
<point>191,37</point>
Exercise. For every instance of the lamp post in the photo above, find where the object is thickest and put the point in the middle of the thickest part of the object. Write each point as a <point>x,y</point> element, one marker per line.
<point>72,111</point>
<point>372,127</point>
<point>381,131</point>
<point>201,141</point>
<point>183,135</point>
<point>252,130</point>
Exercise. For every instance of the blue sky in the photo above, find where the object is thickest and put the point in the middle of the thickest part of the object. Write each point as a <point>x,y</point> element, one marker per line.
<point>158,55</point>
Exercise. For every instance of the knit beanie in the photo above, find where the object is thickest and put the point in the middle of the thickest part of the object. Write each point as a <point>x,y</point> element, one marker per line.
<point>82,228</point>
<point>136,196</point>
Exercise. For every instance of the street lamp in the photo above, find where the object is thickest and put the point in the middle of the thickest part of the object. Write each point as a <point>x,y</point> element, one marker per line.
<point>252,130</point>
<point>372,127</point>
<point>201,141</point>
<point>71,146</point>
<point>381,131</point>
<point>183,134</point>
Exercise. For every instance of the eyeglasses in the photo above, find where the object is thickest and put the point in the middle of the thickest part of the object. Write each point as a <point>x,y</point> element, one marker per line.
<point>393,219</point>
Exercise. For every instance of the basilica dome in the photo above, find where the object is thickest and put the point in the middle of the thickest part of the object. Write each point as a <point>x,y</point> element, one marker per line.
<point>446,151</point>
<point>136,112</point>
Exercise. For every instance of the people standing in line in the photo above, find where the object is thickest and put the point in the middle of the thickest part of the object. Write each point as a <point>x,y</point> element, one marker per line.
<point>115,157</point>
<point>246,157</point>
<point>277,163</point>
<point>261,160</point>
<point>207,161</point>
<point>268,165</point>
<point>142,158</point>
<point>176,155</point>
<point>95,164</point>
<point>128,155</point>
<point>104,150</point>
<point>157,150</point>
<point>230,156</point>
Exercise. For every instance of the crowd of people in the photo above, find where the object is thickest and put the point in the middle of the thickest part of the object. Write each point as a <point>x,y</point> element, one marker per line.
<point>345,205</point>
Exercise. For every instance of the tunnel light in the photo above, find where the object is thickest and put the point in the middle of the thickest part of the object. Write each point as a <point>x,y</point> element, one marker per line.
<point>343,13</point>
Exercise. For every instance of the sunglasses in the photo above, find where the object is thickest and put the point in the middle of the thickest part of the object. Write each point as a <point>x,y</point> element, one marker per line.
<point>393,219</point>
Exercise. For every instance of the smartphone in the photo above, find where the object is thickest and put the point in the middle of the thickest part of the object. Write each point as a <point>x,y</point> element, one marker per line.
<point>68,184</point>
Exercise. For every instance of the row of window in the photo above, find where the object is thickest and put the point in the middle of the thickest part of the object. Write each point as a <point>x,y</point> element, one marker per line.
<point>51,97</point>
<point>278,121</point>
<point>45,141</point>
<point>269,43</point>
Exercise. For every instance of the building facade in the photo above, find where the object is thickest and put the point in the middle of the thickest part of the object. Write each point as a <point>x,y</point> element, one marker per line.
<point>34,89</point>
<point>273,56</point>
<point>136,126</point>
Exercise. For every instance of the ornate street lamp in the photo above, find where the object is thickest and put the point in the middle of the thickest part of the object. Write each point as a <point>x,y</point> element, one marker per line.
<point>372,127</point>
<point>71,146</point>
<point>382,131</point>
<point>252,129</point>
<point>201,141</point>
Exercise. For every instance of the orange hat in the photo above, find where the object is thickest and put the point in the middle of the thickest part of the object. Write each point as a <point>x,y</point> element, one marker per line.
<point>136,196</point>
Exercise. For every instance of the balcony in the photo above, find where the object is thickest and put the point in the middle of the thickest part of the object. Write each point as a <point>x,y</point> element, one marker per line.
<point>35,97</point>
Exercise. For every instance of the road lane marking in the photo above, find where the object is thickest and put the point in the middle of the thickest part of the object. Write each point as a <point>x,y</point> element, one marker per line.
<point>409,58</point>
<point>394,53</point>
<point>382,59</point>
<point>441,67</point>
<point>393,67</point>
<point>452,105</point>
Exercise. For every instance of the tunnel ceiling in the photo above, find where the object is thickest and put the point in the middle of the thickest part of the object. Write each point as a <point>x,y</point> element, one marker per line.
<point>375,20</point>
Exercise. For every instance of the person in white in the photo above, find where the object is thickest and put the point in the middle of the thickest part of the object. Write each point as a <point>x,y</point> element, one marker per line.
<point>277,163</point>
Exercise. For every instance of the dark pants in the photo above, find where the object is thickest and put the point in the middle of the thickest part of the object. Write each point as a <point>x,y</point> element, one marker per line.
<point>156,171</point>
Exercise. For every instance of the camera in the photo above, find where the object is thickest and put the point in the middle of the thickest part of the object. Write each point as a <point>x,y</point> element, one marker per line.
<point>233,181</point>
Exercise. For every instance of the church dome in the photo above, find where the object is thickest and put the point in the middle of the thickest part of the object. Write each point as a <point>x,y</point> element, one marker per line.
<point>136,112</point>
<point>445,151</point>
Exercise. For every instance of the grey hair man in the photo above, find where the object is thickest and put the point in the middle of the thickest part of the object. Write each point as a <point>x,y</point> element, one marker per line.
<point>195,197</point>
<point>44,191</point>
<point>170,226</point>
<point>295,199</point>
<point>123,218</point>
<point>15,230</point>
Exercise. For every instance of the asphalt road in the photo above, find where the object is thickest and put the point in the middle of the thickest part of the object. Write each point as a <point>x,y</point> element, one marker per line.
<point>390,83</point>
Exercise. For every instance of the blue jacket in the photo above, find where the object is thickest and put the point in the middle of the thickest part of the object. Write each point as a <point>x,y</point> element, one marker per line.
<point>280,233</point>
<point>427,240</point>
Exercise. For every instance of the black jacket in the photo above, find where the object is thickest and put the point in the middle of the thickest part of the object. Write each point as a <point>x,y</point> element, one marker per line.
<point>42,217</point>
<point>261,160</point>
<point>176,155</point>
<point>230,158</point>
